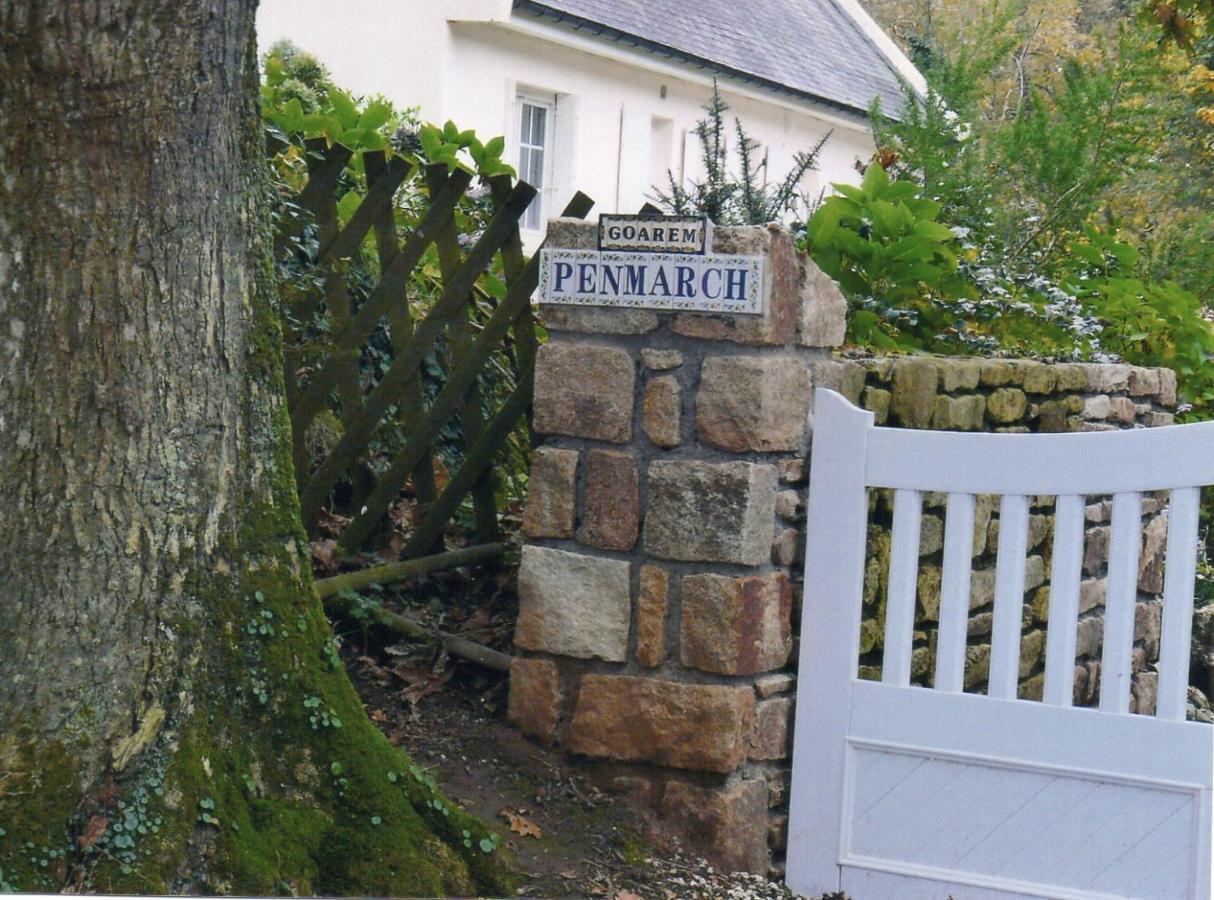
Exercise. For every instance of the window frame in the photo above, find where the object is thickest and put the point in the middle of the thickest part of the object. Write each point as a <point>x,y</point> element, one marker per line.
<point>537,210</point>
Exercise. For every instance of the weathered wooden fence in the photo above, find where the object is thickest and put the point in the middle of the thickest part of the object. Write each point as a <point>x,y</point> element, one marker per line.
<point>428,293</point>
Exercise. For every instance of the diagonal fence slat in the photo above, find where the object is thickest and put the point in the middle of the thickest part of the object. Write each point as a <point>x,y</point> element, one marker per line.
<point>358,431</point>
<point>314,398</point>
<point>444,405</point>
<point>400,327</point>
<point>370,273</point>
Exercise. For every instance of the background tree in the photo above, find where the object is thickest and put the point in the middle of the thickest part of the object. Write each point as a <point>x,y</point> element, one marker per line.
<point>173,713</point>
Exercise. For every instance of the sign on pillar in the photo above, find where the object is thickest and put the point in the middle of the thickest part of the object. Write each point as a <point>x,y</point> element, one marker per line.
<point>655,262</point>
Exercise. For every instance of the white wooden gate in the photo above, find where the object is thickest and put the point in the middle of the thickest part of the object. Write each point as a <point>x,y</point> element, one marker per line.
<point>908,792</point>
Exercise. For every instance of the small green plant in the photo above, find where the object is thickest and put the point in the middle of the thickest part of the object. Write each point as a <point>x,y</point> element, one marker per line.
<point>207,814</point>
<point>748,198</point>
<point>447,144</point>
<point>321,716</point>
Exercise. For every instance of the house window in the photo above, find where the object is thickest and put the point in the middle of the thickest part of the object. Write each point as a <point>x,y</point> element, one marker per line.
<point>535,151</point>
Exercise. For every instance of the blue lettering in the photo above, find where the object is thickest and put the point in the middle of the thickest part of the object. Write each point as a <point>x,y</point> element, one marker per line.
<point>611,280</point>
<point>563,272</point>
<point>704,289</point>
<point>661,283</point>
<point>684,276</point>
<point>635,284</point>
<point>735,284</point>
<point>585,278</point>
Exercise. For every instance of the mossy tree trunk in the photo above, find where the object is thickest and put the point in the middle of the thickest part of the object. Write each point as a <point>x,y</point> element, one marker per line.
<point>173,715</point>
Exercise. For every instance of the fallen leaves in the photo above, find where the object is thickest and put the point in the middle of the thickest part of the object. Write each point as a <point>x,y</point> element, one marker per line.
<point>519,823</point>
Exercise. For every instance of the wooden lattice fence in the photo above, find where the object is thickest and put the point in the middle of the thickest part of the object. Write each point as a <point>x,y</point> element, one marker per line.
<point>424,292</point>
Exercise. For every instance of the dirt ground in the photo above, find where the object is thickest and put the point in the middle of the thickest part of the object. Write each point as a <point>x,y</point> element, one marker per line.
<point>566,838</point>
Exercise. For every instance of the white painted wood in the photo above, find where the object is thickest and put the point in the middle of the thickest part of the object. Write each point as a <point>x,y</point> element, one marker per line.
<point>1176,630</point>
<point>903,792</point>
<point>830,637</point>
<point>903,576</point>
<point>1009,596</point>
<point>1116,661</point>
<point>1065,573</point>
<point>1099,463</point>
<point>955,592</point>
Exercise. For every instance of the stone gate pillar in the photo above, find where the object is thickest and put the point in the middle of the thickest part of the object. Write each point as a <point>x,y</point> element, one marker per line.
<point>660,582</point>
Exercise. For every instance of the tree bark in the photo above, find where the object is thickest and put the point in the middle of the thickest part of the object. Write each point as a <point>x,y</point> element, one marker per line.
<point>172,713</point>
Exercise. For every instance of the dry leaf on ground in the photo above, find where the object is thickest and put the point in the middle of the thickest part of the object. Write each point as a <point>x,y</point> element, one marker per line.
<point>519,824</point>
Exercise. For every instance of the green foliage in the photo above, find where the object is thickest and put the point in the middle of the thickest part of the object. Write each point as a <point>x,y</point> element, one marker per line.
<point>882,243</point>
<point>746,198</point>
<point>1145,323</point>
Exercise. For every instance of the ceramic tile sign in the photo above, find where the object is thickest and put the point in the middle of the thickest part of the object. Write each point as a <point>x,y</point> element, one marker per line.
<point>681,280</point>
<point>656,234</point>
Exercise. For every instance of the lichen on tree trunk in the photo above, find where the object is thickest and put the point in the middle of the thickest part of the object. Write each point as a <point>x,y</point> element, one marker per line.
<point>173,714</point>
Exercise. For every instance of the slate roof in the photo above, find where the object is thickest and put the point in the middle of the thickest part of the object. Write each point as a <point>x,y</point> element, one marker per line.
<point>810,48</point>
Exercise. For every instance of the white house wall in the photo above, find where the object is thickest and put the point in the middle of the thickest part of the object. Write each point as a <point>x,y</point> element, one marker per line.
<point>613,127</point>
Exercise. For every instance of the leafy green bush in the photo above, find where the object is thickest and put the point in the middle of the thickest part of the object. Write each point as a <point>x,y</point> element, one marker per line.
<point>882,243</point>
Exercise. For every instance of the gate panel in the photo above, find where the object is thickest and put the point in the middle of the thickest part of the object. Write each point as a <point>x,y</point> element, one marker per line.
<point>908,792</point>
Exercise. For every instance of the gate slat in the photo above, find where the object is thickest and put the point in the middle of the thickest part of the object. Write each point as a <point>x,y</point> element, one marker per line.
<point>1009,596</point>
<point>903,575</point>
<point>1177,627</point>
<point>955,593</point>
<point>1116,658</point>
<point>1065,572</point>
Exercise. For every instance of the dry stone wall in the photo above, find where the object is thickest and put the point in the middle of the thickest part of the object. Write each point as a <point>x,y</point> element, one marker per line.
<point>660,583</point>
<point>1015,396</point>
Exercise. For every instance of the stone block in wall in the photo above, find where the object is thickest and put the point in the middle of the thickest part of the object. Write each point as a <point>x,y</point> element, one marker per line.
<point>728,825</point>
<point>773,729</point>
<point>913,400</point>
<point>584,390</point>
<point>1150,560</point>
<point>662,411</point>
<point>611,515</point>
<point>1144,693</point>
<point>597,319</point>
<point>959,413</point>
<point>1148,620</point>
<point>1096,549</point>
<point>753,403</point>
<point>1121,409</point>
<point>551,494</point>
<point>877,402</point>
<point>823,307</point>
<point>534,703</point>
<point>958,374</point>
<point>661,360</point>
<point>996,373</point>
<point>705,727</point>
<point>1108,378</point>
<point>1091,594</point>
<point>1143,382</point>
<point>573,605</point>
<point>736,626</point>
<point>1088,637</point>
<point>710,512</point>
<point>1039,379</point>
<point>846,378</point>
<point>1006,405</point>
<point>652,606</point>
<point>977,664</point>
<point>786,547</point>
<point>778,325</point>
<point>1073,377</point>
<point>1032,651</point>
<point>1167,388</point>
